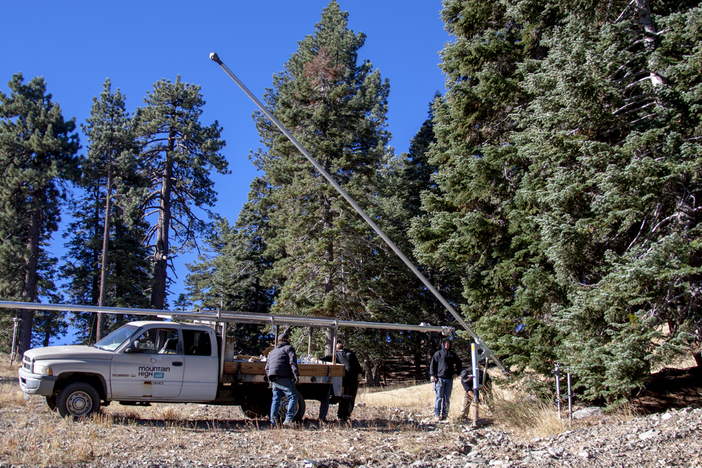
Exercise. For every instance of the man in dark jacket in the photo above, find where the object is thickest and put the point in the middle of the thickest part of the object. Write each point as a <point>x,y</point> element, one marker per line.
<point>444,365</point>
<point>282,372</point>
<point>352,369</point>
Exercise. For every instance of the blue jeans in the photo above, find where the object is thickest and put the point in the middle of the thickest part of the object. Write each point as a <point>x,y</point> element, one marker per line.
<point>443,388</point>
<point>283,386</point>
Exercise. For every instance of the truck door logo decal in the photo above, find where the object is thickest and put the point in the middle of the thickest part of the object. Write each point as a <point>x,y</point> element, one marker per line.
<point>153,371</point>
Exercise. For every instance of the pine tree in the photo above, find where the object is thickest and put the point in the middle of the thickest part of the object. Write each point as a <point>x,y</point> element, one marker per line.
<point>336,108</point>
<point>567,163</point>
<point>228,276</point>
<point>37,154</point>
<point>403,180</point>
<point>475,228</point>
<point>179,153</point>
<point>108,260</point>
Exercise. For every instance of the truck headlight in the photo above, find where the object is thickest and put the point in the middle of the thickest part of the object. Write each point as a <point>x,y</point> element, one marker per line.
<point>43,370</point>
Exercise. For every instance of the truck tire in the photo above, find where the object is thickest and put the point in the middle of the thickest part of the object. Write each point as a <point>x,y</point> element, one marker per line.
<point>78,399</point>
<point>256,409</point>
<point>299,413</point>
<point>51,402</point>
<point>301,408</point>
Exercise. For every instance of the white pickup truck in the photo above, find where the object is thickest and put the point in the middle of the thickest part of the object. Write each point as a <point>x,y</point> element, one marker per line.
<point>174,362</point>
<point>156,361</point>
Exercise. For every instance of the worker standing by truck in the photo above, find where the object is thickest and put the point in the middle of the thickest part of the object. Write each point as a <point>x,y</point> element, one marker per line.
<point>282,372</point>
<point>352,369</point>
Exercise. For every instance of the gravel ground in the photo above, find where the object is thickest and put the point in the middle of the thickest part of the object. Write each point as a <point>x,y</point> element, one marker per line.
<point>203,435</point>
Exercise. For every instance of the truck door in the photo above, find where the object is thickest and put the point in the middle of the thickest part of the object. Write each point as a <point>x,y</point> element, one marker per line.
<point>151,367</point>
<point>201,374</point>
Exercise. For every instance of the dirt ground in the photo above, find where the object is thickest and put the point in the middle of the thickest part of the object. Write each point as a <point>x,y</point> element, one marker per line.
<point>670,389</point>
<point>388,435</point>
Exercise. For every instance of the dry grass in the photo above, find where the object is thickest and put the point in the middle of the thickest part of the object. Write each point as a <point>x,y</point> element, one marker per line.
<point>507,408</point>
<point>7,370</point>
<point>416,398</point>
<point>525,416</point>
<point>398,419</point>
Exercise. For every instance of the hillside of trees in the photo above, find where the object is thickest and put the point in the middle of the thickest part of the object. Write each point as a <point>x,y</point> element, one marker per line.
<point>552,196</point>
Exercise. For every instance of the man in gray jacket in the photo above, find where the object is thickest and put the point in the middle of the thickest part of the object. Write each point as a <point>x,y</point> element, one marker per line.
<point>282,372</point>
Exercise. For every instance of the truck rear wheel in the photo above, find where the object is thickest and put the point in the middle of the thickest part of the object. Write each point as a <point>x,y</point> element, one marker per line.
<point>300,411</point>
<point>78,399</point>
<point>256,409</point>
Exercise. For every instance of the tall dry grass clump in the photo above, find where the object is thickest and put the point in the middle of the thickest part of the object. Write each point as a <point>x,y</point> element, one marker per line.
<point>10,394</point>
<point>524,415</point>
<point>8,371</point>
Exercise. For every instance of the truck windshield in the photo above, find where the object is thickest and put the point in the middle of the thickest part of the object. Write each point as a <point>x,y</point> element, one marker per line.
<point>115,339</point>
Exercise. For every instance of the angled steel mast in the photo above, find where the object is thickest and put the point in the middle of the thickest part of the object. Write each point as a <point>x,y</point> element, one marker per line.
<point>487,353</point>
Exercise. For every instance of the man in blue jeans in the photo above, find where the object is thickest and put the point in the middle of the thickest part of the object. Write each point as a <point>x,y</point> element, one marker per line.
<point>444,365</point>
<point>282,372</point>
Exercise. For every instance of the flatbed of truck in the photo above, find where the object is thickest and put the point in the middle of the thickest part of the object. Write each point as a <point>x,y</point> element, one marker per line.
<point>306,370</point>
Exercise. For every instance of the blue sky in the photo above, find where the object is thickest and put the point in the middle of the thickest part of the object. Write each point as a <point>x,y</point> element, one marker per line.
<point>76,45</point>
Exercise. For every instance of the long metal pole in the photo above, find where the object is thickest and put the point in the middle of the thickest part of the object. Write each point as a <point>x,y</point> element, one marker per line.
<point>224,316</point>
<point>557,372</point>
<point>15,321</point>
<point>476,384</point>
<point>570,400</point>
<point>215,58</point>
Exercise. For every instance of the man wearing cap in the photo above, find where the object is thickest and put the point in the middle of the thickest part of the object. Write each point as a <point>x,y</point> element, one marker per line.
<point>444,365</point>
<point>352,369</point>
<point>282,372</point>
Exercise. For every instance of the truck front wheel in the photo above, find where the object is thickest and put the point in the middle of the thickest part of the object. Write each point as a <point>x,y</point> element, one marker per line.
<point>78,399</point>
<point>51,402</point>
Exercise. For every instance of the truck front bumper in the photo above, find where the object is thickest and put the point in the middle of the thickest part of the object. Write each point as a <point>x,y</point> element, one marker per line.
<point>35,384</point>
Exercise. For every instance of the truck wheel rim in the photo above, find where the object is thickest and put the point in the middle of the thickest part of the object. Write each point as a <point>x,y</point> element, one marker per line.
<point>79,404</point>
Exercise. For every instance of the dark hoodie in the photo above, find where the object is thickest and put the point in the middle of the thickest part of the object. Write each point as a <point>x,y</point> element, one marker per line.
<point>445,364</point>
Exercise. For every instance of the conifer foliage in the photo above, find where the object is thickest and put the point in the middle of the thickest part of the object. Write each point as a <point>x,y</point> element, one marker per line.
<point>178,153</point>
<point>37,156</point>
<point>107,260</point>
<point>336,108</point>
<point>568,150</point>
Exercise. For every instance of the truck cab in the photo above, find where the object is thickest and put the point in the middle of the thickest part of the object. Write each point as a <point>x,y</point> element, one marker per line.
<point>144,361</point>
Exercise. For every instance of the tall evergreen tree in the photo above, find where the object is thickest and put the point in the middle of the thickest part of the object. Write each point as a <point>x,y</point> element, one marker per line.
<point>402,182</point>
<point>37,154</point>
<point>178,152</point>
<point>106,235</point>
<point>473,228</point>
<point>616,144</point>
<point>567,151</point>
<point>337,109</point>
<point>228,276</point>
